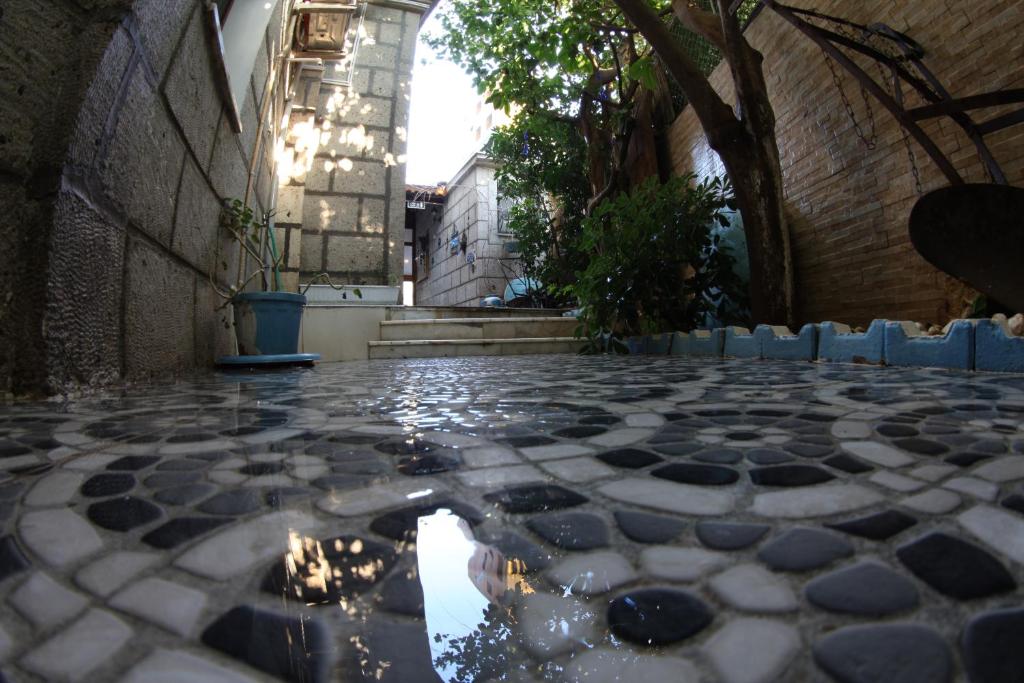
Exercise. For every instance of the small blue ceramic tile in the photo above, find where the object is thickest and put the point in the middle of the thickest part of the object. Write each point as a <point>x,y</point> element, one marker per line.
<point>740,343</point>
<point>802,346</point>
<point>839,346</point>
<point>699,343</point>
<point>996,351</point>
<point>955,349</point>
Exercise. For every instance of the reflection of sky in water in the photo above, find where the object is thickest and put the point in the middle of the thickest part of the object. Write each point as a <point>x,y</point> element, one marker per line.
<point>452,604</point>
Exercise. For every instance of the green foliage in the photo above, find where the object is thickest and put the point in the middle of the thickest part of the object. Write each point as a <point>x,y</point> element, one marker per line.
<point>249,230</point>
<point>656,264</point>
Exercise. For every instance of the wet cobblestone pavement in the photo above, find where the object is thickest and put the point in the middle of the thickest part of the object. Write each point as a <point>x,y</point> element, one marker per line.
<point>530,518</point>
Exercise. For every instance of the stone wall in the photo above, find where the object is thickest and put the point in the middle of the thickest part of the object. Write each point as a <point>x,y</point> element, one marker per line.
<point>848,206</point>
<point>342,209</point>
<point>471,207</point>
<point>114,160</point>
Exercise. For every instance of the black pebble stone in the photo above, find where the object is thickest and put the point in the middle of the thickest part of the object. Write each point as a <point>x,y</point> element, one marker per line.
<point>877,527</point>
<point>885,653</point>
<point>730,535</point>
<point>955,567</point>
<point>100,485</point>
<point>600,420</point>
<point>341,482</point>
<point>631,458</point>
<point>789,475</point>
<point>162,480</point>
<point>293,648</point>
<point>400,653</point>
<point>802,549</point>
<point>282,496</point>
<point>966,459</point>
<point>123,514</point>
<point>847,463</point>
<point>408,447</point>
<point>817,417</point>
<point>357,564</point>
<point>401,593</point>
<point>426,464</point>
<point>259,469</point>
<point>867,588</point>
<point>526,555</point>
<point>719,456</point>
<point>895,431</point>
<point>12,559</point>
<point>131,463</point>
<point>350,465</point>
<point>643,527</point>
<point>185,494</point>
<point>767,456</point>
<point>580,432</point>
<point>678,448</point>
<point>401,525</point>
<point>705,475</point>
<point>233,503</point>
<point>808,450</point>
<point>182,529</point>
<point>989,446</point>
<point>191,438</point>
<point>527,441</point>
<point>921,446</point>
<point>571,531</point>
<point>1014,502</point>
<point>535,498</point>
<point>993,646</point>
<point>657,616</point>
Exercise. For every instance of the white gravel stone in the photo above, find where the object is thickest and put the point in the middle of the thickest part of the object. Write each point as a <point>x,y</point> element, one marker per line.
<point>579,470</point>
<point>605,665</point>
<point>621,437</point>
<point>878,453</point>
<point>752,650</point>
<point>555,450</point>
<point>850,429</point>
<point>664,495</point>
<point>751,588</point>
<point>502,476</point>
<point>550,626</point>
<point>55,489</point>
<point>175,607</point>
<point>489,456</point>
<point>978,488</point>
<point>176,666</point>
<point>45,602</point>
<point>934,502</point>
<point>680,564</point>
<point>232,552</point>
<point>74,653</point>
<point>380,497</point>
<point>896,482</point>
<point>591,574</point>
<point>814,501</point>
<point>1000,530</point>
<point>59,537</point>
<point>1003,469</point>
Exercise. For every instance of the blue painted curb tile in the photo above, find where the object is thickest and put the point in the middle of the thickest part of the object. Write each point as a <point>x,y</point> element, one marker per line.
<point>837,343</point>
<point>995,350</point>
<point>699,343</point>
<point>635,345</point>
<point>740,343</point>
<point>658,344</point>
<point>779,342</point>
<point>907,346</point>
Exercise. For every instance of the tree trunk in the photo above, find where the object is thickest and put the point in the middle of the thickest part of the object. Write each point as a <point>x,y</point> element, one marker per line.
<point>747,147</point>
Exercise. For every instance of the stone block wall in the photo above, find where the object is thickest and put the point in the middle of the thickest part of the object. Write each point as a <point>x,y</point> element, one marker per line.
<point>341,204</point>
<point>471,207</point>
<point>848,206</point>
<point>114,161</point>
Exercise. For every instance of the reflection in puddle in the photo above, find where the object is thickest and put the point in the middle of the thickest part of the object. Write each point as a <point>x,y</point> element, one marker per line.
<point>467,589</point>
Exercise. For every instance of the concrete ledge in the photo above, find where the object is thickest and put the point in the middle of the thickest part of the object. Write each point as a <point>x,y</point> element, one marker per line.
<point>837,344</point>
<point>779,342</point>
<point>995,350</point>
<point>698,343</point>
<point>740,343</point>
<point>907,346</point>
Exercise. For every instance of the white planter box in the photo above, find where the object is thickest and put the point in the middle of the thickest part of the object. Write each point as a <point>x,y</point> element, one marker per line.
<point>373,295</point>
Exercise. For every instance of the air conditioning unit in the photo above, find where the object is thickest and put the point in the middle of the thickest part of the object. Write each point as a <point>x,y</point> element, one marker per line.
<point>322,28</point>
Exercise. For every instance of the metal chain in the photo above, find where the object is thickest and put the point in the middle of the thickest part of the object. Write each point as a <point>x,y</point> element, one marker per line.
<point>906,136</point>
<point>871,140</point>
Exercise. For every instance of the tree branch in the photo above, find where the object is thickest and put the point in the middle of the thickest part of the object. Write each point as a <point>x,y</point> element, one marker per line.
<point>699,21</point>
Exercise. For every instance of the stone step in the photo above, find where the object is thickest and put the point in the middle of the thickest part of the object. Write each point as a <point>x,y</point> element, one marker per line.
<point>448,312</point>
<point>477,328</point>
<point>447,348</point>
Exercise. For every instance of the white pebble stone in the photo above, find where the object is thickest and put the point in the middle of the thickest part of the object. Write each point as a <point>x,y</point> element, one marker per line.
<point>45,602</point>
<point>896,482</point>
<point>489,456</point>
<point>1000,530</point>
<point>175,666</point>
<point>59,537</point>
<point>1003,469</point>
<point>110,572</point>
<point>680,564</point>
<point>621,437</point>
<point>550,626</point>
<point>934,502</point>
<point>877,453</point>
<point>605,665</point>
<point>173,606</point>
<point>591,574</point>
<point>850,429</point>
<point>74,653</point>
<point>644,420</point>
<point>933,472</point>
<point>554,451</point>
<point>973,487</point>
<point>814,501</point>
<point>578,470</point>
<point>55,489</point>
<point>751,588</point>
<point>752,650</point>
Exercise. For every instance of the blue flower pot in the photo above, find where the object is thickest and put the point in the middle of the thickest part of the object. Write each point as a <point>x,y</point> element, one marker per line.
<point>267,323</point>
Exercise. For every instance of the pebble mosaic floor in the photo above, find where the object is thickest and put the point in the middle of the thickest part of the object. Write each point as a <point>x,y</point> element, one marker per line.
<point>536,518</point>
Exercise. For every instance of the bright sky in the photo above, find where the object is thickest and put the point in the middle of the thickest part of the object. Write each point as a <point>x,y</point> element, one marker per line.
<point>443,99</point>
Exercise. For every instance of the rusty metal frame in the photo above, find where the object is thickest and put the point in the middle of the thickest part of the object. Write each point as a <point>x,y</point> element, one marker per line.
<point>927,85</point>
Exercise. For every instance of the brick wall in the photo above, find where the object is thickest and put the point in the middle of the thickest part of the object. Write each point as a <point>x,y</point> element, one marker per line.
<point>471,207</point>
<point>849,206</point>
<point>342,209</point>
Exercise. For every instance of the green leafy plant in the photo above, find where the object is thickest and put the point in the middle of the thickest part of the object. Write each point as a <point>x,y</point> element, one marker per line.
<point>657,263</point>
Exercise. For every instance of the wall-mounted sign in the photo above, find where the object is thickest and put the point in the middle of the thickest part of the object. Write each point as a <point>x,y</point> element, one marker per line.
<point>416,205</point>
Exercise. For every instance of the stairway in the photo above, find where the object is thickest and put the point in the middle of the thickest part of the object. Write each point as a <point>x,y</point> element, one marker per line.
<point>419,332</point>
